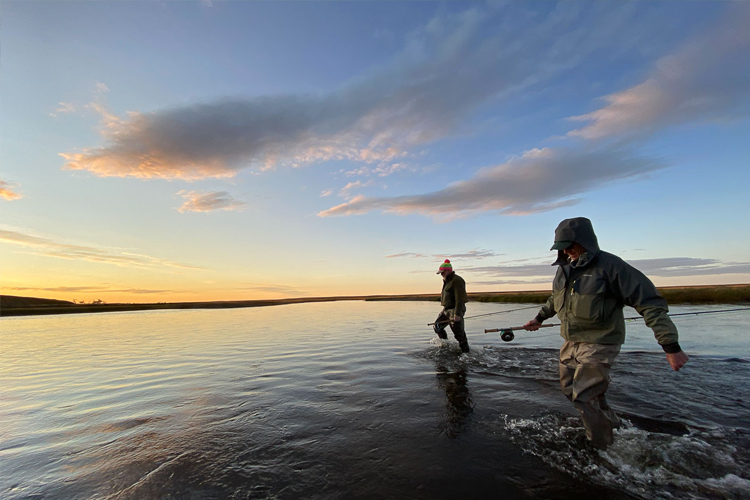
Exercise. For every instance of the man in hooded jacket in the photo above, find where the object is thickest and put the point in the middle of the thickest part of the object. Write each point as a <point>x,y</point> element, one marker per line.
<point>589,291</point>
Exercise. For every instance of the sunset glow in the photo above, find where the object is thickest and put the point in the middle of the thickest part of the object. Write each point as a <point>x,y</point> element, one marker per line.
<point>192,151</point>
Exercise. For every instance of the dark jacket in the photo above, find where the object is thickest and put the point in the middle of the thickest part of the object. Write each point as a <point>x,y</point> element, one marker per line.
<point>454,298</point>
<point>588,296</point>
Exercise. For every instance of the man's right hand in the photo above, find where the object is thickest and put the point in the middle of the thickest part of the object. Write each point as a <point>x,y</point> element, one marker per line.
<point>532,325</point>
<point>677,360</point>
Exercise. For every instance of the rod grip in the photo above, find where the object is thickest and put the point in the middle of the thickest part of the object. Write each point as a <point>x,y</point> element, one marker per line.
<point>517,328</point>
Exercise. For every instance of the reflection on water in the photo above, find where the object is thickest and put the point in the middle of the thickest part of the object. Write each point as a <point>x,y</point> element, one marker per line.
<point>458,403</point>
<point>351,399</point>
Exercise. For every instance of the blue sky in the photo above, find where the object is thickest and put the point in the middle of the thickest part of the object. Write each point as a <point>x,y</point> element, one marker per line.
<point>163,151</point>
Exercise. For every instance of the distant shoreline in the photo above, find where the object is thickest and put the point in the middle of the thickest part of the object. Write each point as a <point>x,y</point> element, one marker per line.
<point>27,306</point>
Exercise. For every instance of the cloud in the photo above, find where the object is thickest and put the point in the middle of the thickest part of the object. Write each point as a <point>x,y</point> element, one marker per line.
<point>8,191</point>
<point>471,254</point>
<point>63,108</point>
<point>670,267</point>
<point>50,248</point>
<point>706,80</point>
<point>198,201</point>
<point>88,289</point>
<point>446,70</point>
<point>386,170</point>
<point>326,192</point>
<point>528,271</point>
<point>345,191</point>
<point>538,181</point>
<point>687,266</point>
<point>406,254</point>
<point>382,170</point>
<point>273,288</point>
<point>547,282</point>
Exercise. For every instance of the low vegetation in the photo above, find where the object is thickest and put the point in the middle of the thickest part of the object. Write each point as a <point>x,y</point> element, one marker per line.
<point>22,306</point>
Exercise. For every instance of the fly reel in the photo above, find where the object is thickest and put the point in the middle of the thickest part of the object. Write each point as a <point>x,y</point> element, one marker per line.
<point>507,335</point>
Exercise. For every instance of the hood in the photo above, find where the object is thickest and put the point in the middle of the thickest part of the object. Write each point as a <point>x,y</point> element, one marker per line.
<point>578,230</point>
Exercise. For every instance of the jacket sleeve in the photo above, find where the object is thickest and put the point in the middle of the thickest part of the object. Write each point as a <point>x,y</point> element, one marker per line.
<point>547,310</point>
<point>637,291</point>
<point>459,291</point>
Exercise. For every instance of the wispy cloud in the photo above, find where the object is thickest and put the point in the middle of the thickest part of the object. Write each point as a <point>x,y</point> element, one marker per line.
<point>345,191</point>
<point>63,108</point>
<point>286,290</point>
<point>706,80</point>
<point>538,181</point>
<point>686,266</point>
<point>547,283</point>
<point>50,248</point>
<point>406,254</point>
<point>383,170</point>
<point>8,191</point>
<point>444,73</point>
<point>471,254</point>
<point>326,192</point>
<point>198,201</point>
<point>527,271</point>
<point>87,289</point>
<point>671,267</point>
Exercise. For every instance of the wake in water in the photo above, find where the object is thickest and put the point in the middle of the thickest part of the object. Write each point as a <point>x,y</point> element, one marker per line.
<point>679,437</point>
<point>701,464</point>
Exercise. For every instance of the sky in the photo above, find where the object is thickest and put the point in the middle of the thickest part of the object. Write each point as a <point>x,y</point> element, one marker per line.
<point>209,150</point>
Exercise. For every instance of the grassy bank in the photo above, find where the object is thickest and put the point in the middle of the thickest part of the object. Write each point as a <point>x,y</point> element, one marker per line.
<point>24,306</point>
<point>724,294</point>
<point>714,294</point>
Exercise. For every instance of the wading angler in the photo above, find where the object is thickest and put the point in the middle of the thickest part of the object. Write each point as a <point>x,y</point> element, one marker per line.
<point>453,299</point>
<point>589,291</point>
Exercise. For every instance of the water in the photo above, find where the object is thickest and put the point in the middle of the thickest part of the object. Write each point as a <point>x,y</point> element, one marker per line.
<point>357,400</point>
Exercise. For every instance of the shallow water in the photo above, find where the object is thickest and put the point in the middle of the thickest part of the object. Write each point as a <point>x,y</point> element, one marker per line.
<point>357,400</point>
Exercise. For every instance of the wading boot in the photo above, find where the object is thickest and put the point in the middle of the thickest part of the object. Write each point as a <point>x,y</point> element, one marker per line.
<point>608,412</point>
<point>598,426</point>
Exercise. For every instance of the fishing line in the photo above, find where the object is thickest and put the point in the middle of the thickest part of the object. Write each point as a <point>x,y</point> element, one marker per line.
<point>694,313</point>
<point>490,314</point>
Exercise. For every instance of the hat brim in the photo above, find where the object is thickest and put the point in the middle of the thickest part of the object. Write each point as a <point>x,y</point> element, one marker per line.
<point>561,245</point>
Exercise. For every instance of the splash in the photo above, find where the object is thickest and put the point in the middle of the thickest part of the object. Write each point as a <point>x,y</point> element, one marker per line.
<point>703,464</point>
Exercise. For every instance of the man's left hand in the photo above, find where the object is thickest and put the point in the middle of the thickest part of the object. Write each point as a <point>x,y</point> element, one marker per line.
<point>677,360</point>
<point>456,318</point>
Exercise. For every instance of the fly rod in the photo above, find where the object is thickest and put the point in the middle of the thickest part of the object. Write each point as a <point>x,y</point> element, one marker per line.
<point>488,314</point>
<point>507,333</point>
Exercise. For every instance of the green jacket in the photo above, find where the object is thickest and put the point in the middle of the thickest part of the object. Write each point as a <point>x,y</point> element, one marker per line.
<point>588,295</point>
<point>454,298</point>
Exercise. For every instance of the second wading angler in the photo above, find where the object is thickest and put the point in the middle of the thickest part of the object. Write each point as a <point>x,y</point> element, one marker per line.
<point>588,294</point>
<point>453,299</point>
